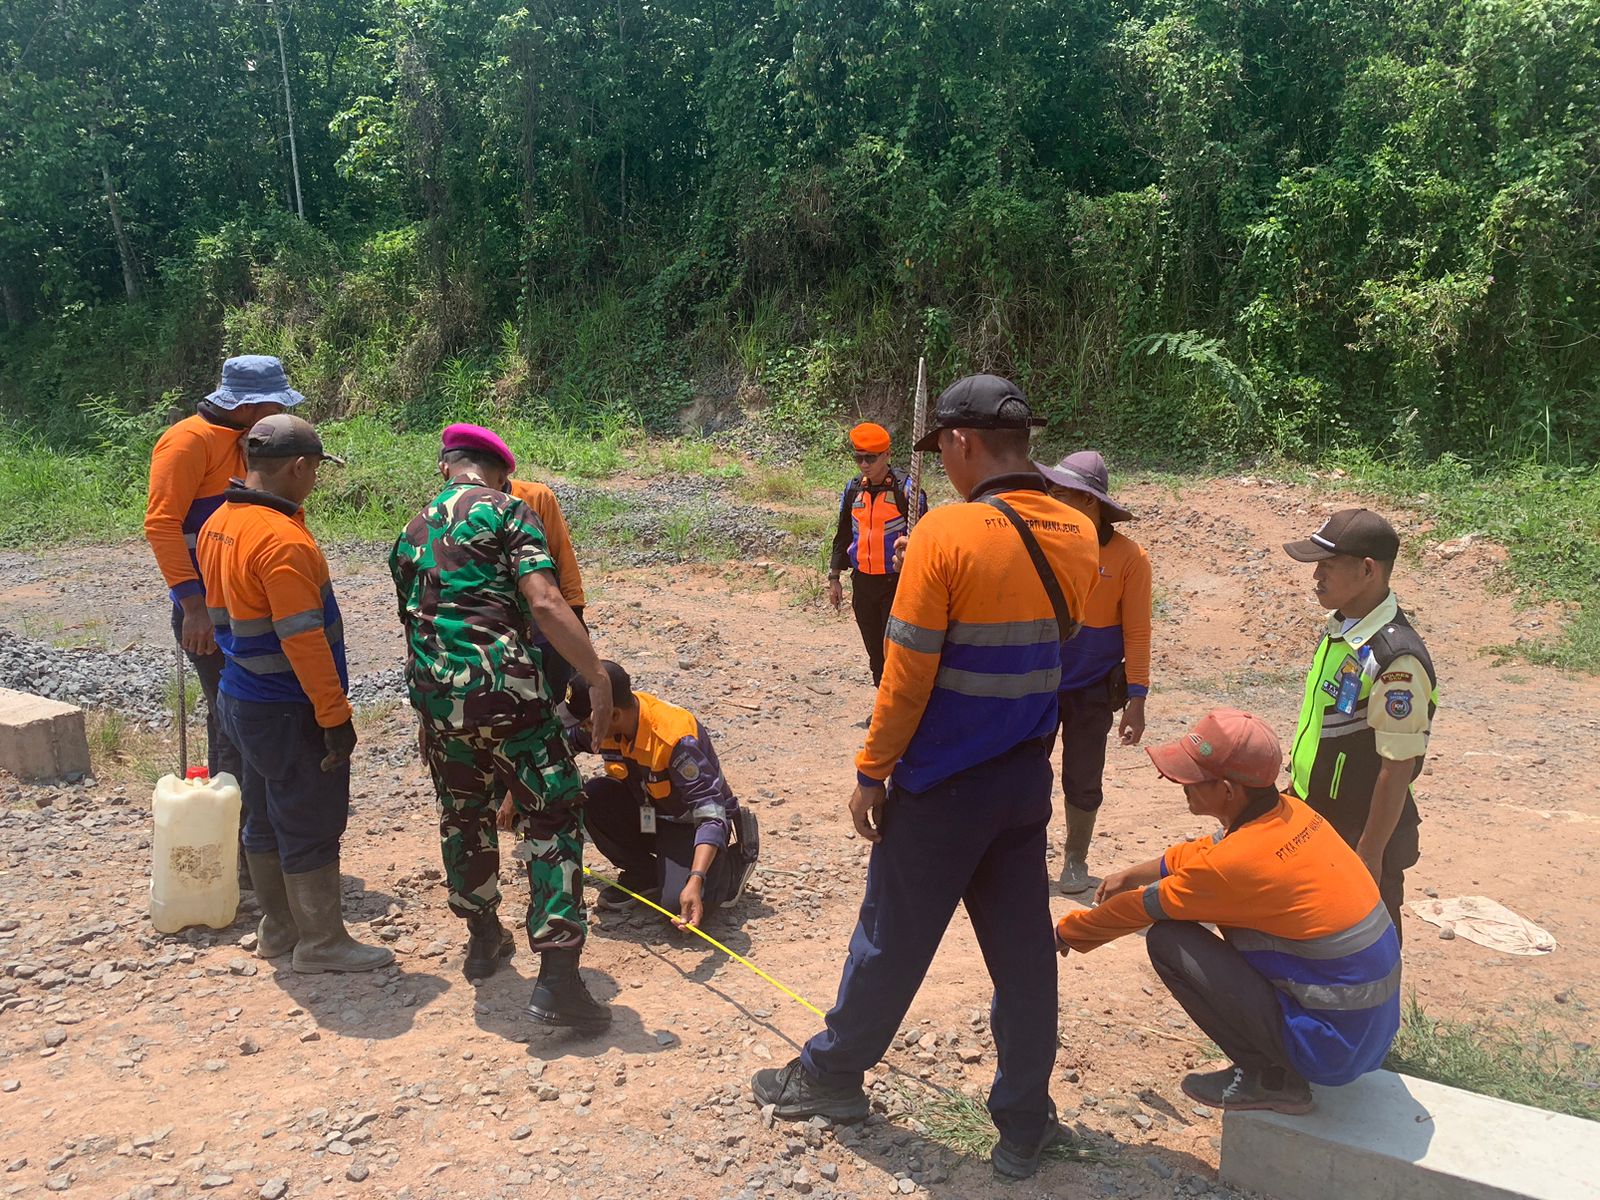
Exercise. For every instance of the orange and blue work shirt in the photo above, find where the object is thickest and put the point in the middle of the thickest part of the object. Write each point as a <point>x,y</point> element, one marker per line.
<point>972,660</point>
<point>1116,623</point>
<point>872,517</point>
<point>1287,893</point>
<point>270,597</point>
<point>558,538</point>
<point>192,464</point>
<point>670,764</point>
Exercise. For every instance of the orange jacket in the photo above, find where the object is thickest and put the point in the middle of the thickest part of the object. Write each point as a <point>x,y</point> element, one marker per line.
<point>1116,623</point>
<point>269,594</point>
<point>1303,911</point>
<point>972,656</point>
<point>189,470</point>
<point>556,535</point>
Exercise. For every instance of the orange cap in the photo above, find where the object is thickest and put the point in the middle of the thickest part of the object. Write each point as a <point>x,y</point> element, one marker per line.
<point>1225,744</point>
<point>870,438</point>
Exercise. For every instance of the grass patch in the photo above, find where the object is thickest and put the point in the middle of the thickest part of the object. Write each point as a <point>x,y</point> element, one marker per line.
<point>683,456</point>
<point>1547,517</point>
<point>125,752</point>
<point>782,484</point>
<point>1528,1064</point>
<point>962,1123</point>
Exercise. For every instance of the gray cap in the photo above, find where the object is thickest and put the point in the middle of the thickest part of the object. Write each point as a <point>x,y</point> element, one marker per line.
<point>285,436</point>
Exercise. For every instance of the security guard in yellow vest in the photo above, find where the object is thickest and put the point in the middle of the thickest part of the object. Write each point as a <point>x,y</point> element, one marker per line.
<point>1369,701</point>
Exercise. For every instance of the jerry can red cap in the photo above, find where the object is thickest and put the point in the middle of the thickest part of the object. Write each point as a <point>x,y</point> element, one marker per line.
<point>197,773</point>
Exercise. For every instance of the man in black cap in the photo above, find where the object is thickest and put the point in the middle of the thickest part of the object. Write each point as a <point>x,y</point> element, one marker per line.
<point>1369,701</point>
<point>953,785</point>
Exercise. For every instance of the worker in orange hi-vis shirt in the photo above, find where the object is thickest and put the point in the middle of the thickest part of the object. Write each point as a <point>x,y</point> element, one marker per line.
<point>190,468</point>
<point>1301,983</point>
<point>1107,666</point>
<point>873,514</point>
<point>953,785</point>
<point>282,696</point>
<point>542,500</point>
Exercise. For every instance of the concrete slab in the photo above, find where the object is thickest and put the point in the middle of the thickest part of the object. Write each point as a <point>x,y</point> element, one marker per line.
<point>1392,1137</point>
<point>41,738</point>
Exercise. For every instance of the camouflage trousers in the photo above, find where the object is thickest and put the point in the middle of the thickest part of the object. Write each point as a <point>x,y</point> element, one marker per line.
<point>473,771</point>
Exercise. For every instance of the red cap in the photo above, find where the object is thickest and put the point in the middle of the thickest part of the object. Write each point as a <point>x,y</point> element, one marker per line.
<point>1226,744</point>
<point>870,438</point>
<point>476,437</point>
<point>197,773</point>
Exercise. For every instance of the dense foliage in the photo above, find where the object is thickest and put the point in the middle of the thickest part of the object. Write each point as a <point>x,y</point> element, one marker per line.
<point>1184,225</point>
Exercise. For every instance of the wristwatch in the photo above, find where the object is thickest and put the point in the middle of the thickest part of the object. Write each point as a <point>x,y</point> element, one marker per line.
<point>700,875</point>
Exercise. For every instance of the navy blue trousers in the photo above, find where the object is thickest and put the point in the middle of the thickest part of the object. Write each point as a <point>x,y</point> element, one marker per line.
<point>978,838</point>
<point>291,805</point>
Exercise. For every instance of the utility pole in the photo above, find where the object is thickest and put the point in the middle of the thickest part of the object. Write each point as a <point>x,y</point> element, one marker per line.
<point>288,105</point>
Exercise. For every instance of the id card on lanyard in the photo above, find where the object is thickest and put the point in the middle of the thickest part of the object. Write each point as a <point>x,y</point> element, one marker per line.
<point>1349,686</point>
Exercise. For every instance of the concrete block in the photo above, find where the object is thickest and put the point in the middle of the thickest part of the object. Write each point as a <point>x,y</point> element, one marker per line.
<point>41,738</point>
<point>1391,1137</point>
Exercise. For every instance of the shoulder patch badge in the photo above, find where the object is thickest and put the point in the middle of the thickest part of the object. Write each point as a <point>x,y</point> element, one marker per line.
<point>1396,677</point>
<point>1398,704</point>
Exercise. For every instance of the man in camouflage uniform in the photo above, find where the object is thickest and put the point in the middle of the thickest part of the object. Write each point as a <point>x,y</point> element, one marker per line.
<point>473,571</point>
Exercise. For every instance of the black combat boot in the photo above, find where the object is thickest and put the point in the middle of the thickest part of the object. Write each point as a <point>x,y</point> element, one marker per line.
<point>488,942</point>
<point>560,997</point>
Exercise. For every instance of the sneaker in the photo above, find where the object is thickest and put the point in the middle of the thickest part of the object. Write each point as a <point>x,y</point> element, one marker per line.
<point>1074,876</point>
<point>1022,1162</point>
<point>1241,1090</point>
<point>795,1094</point>
<point>614,898</point>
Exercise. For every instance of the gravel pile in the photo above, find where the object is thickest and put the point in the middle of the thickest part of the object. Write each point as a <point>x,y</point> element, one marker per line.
<point>136,682</point>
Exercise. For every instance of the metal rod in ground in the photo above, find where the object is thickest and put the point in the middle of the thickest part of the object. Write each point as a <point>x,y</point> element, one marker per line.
<point>182,713</point>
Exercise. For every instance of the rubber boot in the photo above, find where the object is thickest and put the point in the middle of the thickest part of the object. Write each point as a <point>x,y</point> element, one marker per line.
<point>277,933</point>
<point>488,942</point>
<point>1080,828</point>
<point>560,997</point>
<point>324,945</point>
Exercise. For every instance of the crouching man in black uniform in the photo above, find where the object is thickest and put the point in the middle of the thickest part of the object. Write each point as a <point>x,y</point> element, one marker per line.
<point>663,811</point>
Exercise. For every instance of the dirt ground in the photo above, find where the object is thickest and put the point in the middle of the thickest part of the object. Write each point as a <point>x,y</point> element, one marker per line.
<point>133,1064</point>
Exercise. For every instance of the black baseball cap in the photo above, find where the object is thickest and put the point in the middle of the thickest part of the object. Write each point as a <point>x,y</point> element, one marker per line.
<point>978,402</point>
<point>285,436</point>
<point>1358,532</point>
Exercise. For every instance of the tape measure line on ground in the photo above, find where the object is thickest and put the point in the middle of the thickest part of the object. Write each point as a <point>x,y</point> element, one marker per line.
<point>733,954</point>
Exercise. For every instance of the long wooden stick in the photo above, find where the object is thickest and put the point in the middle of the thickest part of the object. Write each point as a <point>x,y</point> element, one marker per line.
<point>919,426</point>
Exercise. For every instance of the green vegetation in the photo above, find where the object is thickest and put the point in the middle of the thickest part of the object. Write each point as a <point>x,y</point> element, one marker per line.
<point>1189,229</point>
<point>1547,517</point>
<point>1329,230</point>
<point>962,1123</point>
<point>1528,1063</point>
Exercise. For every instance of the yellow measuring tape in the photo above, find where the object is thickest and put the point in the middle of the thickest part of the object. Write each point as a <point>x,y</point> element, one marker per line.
<point>733,954</point>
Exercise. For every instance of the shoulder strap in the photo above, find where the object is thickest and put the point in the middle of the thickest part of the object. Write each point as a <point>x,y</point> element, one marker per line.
<point>1064,621</point>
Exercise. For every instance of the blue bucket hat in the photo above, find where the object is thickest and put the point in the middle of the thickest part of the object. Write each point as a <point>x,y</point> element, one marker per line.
<point>254,379</point>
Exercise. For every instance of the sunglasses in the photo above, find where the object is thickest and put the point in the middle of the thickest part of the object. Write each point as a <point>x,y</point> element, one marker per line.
<point>866,458</point>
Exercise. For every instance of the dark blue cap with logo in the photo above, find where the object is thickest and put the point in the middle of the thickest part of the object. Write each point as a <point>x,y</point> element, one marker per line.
<point>978,402</point>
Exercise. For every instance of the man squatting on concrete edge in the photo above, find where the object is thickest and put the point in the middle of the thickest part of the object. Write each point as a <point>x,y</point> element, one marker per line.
<point>1303,985</point>
<point>470,570</point>
<point>953,785</point>
<point>193,463</point>
<point>282,696</point>
<point>1370,699</point>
